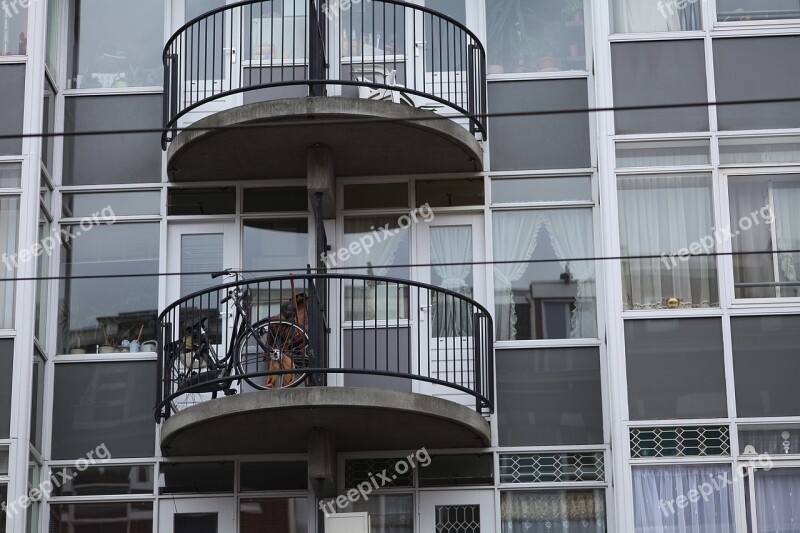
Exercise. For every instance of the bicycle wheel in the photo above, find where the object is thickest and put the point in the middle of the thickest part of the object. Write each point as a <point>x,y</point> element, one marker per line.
<point>288,347</point>
<point>194,364</point>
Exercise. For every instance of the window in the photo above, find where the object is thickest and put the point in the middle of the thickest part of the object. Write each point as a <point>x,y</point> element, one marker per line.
<point>106,480</point>
<point>273,514</point>
<point>54,18</point>
<point>765,365</point>
<point>109,403</point>
<point>389,513</point>
<point>271,245</point>
<point>274,199</point>
<point>762,68</point>
<point>3,500</point>
<point>218,201</point>
<point>745,10</point>
<point>675,368</point>
<point>6,377</point>
<point>450,193</point>
<point>664,153</point>
<point>553,511</point>
<point>655,74</point>
<point>48,123</point>
<point>455,470</point>
<point>555,299</point>
<point>375,195</point>
<point>549,397</point>
<point>541,190</point>
<point>9,220</point>
<point>764,218</point>
<point>114,43</point>
<point>770,441</point>
<point>3,460</point>
<point>197,477</point>
<point>759,150</point>
<point>544,36</point>
<point>645,16</point>
<point>14,29</point>
<point>12,87</point>
<point>663,498</point>
<point>539,141</point>
<point>776,499</point>
<point>105,203</point>
<point>273,475</point>
<point>37,401</point>
<point>41,331</point>
<point>670,216</point>
<point>98,314</point>
<point>120,158</point>
<point>10,175</point>
<point>120,516</point>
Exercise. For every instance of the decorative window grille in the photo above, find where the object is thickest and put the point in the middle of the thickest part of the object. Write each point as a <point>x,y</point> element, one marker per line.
<point>686,441</point>
<point>551,467</point>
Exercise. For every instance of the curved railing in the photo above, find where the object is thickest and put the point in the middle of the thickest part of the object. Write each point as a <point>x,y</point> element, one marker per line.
<point>364,331</point>
<point>377,49</point>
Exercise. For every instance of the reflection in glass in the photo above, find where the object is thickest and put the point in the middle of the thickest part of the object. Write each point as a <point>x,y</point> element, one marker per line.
<point>517,190</point>
<point>106,480</point>
<point>553,511</point>
<point>10,175</point>
<point>270,247</point>
<point>12,87</point>
<point>760,150</point>
<point>281,515</point>
<point>111,204</point>
<point>645,16</point>
<point>14,29</point>
<point>9,220</point>
<point>122,516</point>
<point>664,153</point>
<point>747,10</point>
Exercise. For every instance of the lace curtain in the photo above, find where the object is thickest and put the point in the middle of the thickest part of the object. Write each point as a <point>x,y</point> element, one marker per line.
<point>640,16</point>
<point>786,197</point>
<point>9,215</point>
<point>451,250</point>
<point>778,500</point>
<point>553,511</point>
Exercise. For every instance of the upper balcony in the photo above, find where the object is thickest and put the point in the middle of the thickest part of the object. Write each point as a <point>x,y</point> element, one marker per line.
<point>390,87</point>
<point>377,363</point>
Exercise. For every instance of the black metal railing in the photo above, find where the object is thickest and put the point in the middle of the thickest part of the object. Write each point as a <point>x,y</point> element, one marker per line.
<point>363,331</point>
<point>379,49</point>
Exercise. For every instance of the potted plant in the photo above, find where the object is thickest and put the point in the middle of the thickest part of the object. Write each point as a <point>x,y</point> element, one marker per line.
<point>511,23</point>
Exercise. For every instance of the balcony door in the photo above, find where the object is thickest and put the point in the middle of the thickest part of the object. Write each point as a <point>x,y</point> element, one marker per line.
<point>197,515</point>
<point>452,245</point>
<point>458,511</point>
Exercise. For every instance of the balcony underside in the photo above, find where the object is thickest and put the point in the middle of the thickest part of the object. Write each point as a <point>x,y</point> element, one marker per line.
<point>365,137</point>
<point>360,419</point>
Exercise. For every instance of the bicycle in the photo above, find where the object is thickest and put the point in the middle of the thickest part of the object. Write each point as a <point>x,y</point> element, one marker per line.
<point>271,344</point>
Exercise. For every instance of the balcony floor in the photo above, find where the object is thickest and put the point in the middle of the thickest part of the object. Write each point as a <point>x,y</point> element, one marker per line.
<point>360,419</point>
<point>412,141</point>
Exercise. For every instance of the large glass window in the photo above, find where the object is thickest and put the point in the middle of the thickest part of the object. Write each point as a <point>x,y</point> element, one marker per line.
<point>675,368</point>
<point>764,218</point>
<point>549,397</point>
<point>746,10</point>
<point>9,220</point>
<point>118,158</point>
<point>14,28</point>
<point>660,73</point>
<point>104,403</point>
<point>766,364</point>
<point>389,513</point>
<point>12,87</point>
<point>115,43</point>
<point>553,511</point>
<point>99,314</point>
<point>670,217</point>
<point>742,73</point>
<point>271,245</point>
<point>776,502</point>
<point>641,16</point>
<point>289,515</point>
<point>6,377</point>
<point>122,516</point>
<point>539,141</point>
<point>554,298</point>
<point>663,499</point>
<point>542,36</point>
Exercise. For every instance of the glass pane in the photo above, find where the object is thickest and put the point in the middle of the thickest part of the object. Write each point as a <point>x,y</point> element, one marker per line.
<point>274,475</point>
<point>539,141</point>
<point>650,208</point>
<point>277,31</point>
<point>12,87</point>
<point>657,489</point>
<point>270,246</point>
<point>275,199</point>
<point>114,43</point>
<point>388,513</point>
<point>3,461</point>
<point>511,191</point>
<point>6,377</point>
<point>450,193</point>
<point>3,498</point>
<point>221,201</point>
<point>197,477</point>
<point>760,150</point>
<point>770,441</point>
<point>554,298</point>
<point>284,515</point>
<point>655,74</point>
<point>776,499</point>
<point>545,36</point>
<point>451,244</point>
<point>41,330</point>
<point>111,204</point>
<point>195,523</point>
<point>98,314</point>
<point>644,16</point>
<point>54,18</point>
<point>765,378</point>
<point>454,470</point>
<point>119,158</point>
<point>48,123</point>
<point>664,153</point>
<point>558,511</point>
<point>37,401</point>
<point>375,196</point>
<point>195,8</point>
<point>200,253</point>
<point>675,368</point>
<point>549,397</point>
<point>9,220</point>
<point>762,68</point>
<point>14,29</point>
<point>104,403</point>
<point>10,175</point>
<point>106,480</point>
<point>744,10</point>
<point>122,516</point>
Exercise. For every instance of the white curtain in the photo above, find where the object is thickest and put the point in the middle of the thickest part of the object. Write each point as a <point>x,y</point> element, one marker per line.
<point>571,237</point>
<point>381,256</point>
<point>656,489</point>
<point>787,228</point>
<point>778,500</point>
<point>664,215</point>
<point>747,196</point>
<point>451,244</point>
<point>9,216</point>
<point>552,511</point>
<point>514,235</point>
<point>645,16</point>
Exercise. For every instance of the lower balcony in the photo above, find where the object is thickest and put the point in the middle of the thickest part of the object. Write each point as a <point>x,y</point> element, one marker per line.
<point>375,363</point>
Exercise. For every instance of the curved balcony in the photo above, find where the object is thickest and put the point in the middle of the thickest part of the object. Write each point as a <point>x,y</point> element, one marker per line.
<point>410,88</point>
<point>379,363</point>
